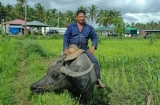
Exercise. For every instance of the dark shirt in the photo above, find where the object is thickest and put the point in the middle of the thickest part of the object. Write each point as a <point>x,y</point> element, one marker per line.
<point>74,36</point>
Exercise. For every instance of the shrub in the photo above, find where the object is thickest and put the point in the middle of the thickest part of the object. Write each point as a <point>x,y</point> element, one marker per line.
<point>55,36</point>
<point>35,48</point>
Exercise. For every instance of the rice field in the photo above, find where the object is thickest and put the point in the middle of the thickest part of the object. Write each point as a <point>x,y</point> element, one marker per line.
<point>130,68</point>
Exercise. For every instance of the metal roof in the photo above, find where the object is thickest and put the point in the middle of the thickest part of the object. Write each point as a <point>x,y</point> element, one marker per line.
<point>37,24</point>
<point>103,28</point>
<point>152,30</point>
<point>130,28</point>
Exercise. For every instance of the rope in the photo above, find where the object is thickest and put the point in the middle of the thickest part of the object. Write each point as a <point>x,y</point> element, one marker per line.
<point>50,86</point>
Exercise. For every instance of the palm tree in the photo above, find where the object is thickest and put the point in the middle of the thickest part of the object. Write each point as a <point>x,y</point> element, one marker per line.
<point>113,15</point>
<point>83,8</point>
<point>1,7</point>
<point>116,13</point>
<point>119,25</point>
<point>106,18</point>
<point>10,12</point>
<point>30,12</point>
<point>55,17</point>
<point>92,13</point>
<point>47,17</point>
<point>132,24</point>
<point>70,17</point>
<point>20,8</point>
<point>62,19</point>
<point>99,19</point>
<point>39,11</point>
<point>2,11</point>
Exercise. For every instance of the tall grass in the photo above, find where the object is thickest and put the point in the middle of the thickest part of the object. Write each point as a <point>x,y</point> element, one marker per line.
<point>130,68</point>
<point>9,59</point>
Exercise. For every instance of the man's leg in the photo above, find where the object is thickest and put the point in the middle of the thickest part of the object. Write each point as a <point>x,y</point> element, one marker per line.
<point>97,68</point>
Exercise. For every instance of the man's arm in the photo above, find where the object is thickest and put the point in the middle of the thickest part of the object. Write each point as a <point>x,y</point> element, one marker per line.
<point>91,50</point>
<point>66,40</point>
<point>94,39</point>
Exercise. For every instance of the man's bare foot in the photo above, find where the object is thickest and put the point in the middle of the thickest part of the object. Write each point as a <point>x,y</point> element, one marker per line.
<point>101,85</point>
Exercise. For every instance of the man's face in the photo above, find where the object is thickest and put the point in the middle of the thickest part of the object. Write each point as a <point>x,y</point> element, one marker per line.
<point>80,18</point>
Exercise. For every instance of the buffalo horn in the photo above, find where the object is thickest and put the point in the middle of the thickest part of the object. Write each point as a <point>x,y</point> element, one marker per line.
<point>73,73</point>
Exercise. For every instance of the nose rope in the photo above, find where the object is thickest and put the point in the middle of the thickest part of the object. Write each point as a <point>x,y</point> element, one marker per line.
<point>50,86</point>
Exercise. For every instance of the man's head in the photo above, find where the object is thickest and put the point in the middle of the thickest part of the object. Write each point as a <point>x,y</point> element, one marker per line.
<point>80,16</point>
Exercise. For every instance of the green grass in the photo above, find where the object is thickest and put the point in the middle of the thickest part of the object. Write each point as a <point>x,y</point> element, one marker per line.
<point>9,59</point>
<point>129,67</point>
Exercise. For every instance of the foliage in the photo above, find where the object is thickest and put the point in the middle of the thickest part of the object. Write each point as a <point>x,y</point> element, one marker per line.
<point>100,96</point>
<point>34,48</point>
<point>39,37</point>
<point>56,18</point>
<point>129,68</point>
<point>129,72</point>
<point>119,26</point>
<point>9,59</point>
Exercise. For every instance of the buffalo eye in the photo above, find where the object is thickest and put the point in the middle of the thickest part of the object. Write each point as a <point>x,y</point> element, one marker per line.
<point>55,75</point>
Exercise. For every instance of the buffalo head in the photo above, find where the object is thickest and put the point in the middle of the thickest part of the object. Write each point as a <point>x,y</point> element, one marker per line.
<point>56,78</point>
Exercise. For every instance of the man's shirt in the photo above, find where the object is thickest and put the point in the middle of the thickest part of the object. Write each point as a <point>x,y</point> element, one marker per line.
<point>74,36</point>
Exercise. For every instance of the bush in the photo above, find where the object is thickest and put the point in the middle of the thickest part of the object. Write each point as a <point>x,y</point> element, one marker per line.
<point>55,36</point>
<point>35,48</point>
<point>100,96</point>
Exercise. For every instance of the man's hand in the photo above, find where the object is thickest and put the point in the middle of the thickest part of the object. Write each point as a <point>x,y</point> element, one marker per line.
<point>66,52</point>
<point>91,51</point>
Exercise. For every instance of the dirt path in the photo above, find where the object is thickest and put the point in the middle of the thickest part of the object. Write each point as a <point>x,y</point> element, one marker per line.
<point>19,83</point>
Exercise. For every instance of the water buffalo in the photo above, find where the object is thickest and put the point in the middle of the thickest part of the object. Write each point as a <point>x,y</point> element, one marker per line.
<point>77,76</point>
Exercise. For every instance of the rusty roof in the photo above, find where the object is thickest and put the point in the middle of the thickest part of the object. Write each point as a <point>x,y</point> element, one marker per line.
<point>16,21</point>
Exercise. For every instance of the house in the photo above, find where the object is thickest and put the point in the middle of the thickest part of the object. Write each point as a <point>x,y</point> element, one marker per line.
<point>146,32</point>
<point>14,27</point>
<point>129,31</point>
<point>39,25</point>
<point>60,30</point>
<point>104,30</point>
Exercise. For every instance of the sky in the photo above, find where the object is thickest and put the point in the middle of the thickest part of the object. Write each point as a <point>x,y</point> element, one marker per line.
<point>141,11</point>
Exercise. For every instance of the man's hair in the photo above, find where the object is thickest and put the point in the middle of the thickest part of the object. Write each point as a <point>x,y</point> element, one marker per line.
<point>81,11</point>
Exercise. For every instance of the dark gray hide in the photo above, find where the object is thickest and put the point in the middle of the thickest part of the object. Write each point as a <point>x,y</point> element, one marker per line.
<point>78,76</point>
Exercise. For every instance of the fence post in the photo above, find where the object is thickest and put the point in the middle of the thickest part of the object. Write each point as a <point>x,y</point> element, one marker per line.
<point>149,98</point>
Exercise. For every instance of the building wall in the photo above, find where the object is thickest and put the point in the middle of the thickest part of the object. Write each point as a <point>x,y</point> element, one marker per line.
<point>60,30</point>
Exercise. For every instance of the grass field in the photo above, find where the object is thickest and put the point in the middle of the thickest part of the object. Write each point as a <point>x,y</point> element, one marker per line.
<point>130,68</point>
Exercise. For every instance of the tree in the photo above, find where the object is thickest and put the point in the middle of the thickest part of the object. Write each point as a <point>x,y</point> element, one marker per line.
<point>70,17</point>
<point>92,13</point>
<point>119,25</point>
<point>39,11</point>
<point>83,8</point>
<point>20,9</point>
<point>2,11</point>
<point>31,12</point>
<point>10,12</point>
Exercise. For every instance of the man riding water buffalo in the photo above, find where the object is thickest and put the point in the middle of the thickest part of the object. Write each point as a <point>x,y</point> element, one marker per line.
<point>79,71</point>
<point>76,74</point>
<point>78,33</point>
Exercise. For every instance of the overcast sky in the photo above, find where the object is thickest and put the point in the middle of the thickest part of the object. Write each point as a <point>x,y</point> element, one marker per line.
<point>141,11</point>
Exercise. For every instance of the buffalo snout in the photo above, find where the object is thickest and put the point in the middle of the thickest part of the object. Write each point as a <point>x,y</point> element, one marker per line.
<point>34,88</point>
